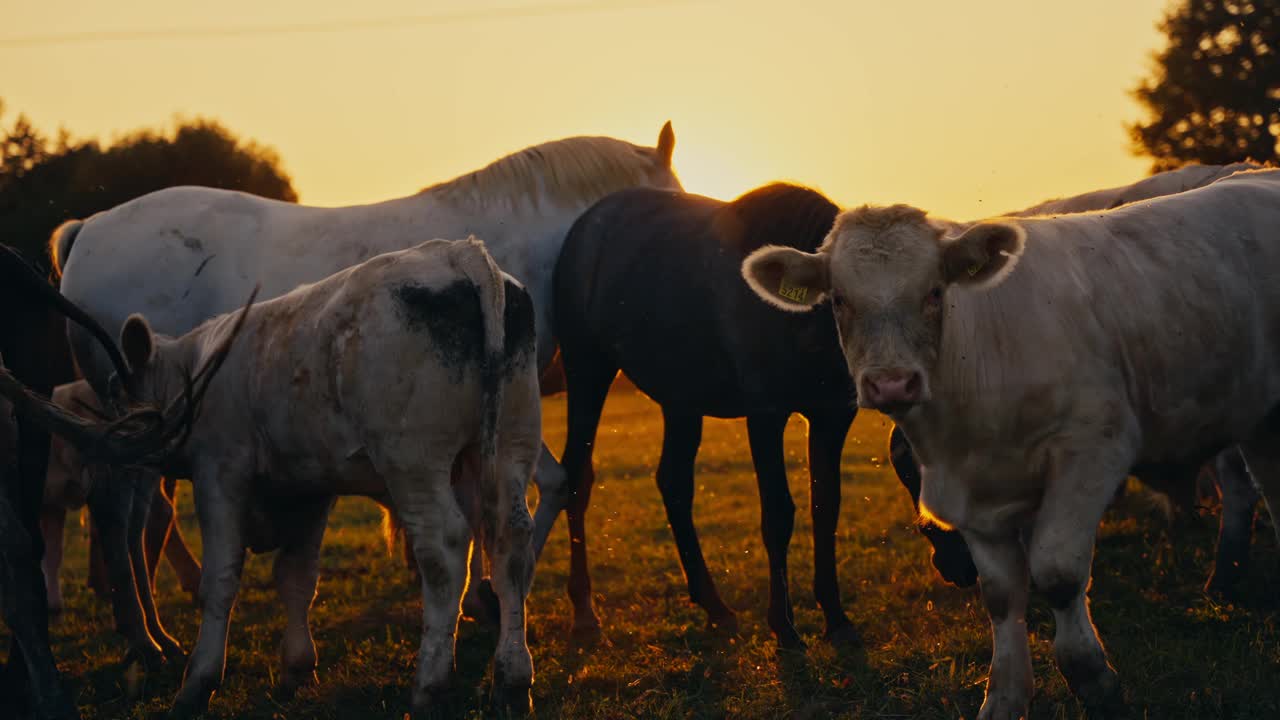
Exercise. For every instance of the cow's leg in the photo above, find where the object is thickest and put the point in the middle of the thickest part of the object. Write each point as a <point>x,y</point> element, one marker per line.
<point>435,524</point>
<point>589,378</point>
<point>175,550</point>
<point>1235,529</point>
<point>296,573</point>
<point>1262,456</point>
<point>552,483</point>
<point>1061,555</point>
<point>1002,575</point>
<point>144,489</point>
<point>681,436</point>
<point>160,517</point>
<point>826,443</point>
<point>950,555</point>
<point>97,580</point>
<point>479,602</point>
<point>777,519</point>
<point>512,531</point>
<point>219,507</point>
<point>31,665</point>
<point>53,520</point>
<point>111,502</point>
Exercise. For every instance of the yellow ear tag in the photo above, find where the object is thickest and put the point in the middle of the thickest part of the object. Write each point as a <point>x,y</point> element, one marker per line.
<point>794,293</point>
<point>975,268</point>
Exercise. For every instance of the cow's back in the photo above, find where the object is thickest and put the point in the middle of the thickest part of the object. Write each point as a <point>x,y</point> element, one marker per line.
<point>333,379</point>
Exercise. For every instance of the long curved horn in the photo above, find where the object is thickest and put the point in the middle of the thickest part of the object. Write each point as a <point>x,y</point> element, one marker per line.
<point>14,267</point>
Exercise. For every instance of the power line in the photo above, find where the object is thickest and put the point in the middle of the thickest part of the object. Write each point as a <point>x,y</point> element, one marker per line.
<point>333,26</point>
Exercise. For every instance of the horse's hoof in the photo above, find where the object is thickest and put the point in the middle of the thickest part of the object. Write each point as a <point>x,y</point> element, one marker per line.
<point>587,634</point>
<point>293,681</point>
<point>844,636</point>
<point>724,624</point>
<point>790,640</point>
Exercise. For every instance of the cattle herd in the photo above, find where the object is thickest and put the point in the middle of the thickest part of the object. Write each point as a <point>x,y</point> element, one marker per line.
<point>399,350</point>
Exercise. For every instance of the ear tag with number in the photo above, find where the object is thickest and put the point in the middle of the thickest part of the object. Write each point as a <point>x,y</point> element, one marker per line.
<point>794,293</point>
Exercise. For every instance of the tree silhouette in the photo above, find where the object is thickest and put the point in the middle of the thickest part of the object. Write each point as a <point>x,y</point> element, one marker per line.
<point>43,182</point>
<point>1214,95</point>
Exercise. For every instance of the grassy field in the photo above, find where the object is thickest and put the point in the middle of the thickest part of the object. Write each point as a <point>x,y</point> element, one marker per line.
<point>926,644</point>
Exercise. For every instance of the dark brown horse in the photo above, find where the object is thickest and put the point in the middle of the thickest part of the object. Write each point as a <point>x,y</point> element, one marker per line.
<point>649,283</point>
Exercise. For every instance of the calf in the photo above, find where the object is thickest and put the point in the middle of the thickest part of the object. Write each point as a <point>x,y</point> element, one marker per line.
<point>392,378</point>
<point>1034,363</point>
<point>142,535</point>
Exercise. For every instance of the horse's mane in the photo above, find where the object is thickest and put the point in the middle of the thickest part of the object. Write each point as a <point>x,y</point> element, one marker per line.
<point>776,214</point>
<point>573,171</point>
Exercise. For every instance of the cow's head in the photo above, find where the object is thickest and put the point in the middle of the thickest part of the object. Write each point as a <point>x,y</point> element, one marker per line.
<point>886,271</point>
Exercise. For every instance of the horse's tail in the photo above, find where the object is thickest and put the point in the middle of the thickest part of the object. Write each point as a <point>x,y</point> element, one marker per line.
<point>60,242</point>
<point>478,266</point>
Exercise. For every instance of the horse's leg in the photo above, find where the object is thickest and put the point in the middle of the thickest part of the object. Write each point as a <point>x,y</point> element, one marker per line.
<point>777,519</point>
<point>681,435</point>
<point>950,555</point>
<point>827,433</point>
<point>111,505</point>
<point>144,490</point>
<point>175,550</point>
<point>53,521</point>
<point>296,573</point>
<point>1235,527</point>
<point>588,376</point>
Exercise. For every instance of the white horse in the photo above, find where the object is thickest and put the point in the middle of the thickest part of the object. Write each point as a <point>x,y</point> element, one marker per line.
<point>183,255</point>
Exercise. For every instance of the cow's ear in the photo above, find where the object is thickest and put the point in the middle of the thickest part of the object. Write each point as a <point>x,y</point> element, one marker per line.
<point>787,278</point>
<point>983,255</point>
<point>137,342</point>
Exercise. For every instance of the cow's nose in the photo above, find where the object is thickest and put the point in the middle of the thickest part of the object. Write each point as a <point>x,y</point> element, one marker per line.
<point>891,390</point>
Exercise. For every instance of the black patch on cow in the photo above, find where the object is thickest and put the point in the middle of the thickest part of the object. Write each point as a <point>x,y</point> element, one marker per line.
<point>518,330</point>
<point>451,315</point>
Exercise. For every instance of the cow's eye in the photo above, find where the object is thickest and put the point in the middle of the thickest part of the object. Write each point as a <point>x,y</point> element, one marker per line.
<point>934,298</point>
<point>837,300</point>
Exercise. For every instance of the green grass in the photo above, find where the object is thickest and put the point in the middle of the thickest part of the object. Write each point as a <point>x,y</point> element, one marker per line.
<point>926,644</point>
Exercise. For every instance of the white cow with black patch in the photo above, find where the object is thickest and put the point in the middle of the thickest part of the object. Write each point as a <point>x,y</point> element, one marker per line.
<point>394,378</point>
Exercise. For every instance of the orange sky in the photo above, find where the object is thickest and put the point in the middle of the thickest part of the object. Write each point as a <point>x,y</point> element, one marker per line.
<point>963,108</point>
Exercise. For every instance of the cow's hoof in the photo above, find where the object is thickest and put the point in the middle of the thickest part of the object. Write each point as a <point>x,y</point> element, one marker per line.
<point>1102,694</point>
<point>433,704</point>
<point>844,635</point>
<point>512,701</point>
<point>481,604</point>
<point>1003,709</point>
<point>1221,589</point>
<point>187,709</point>
<point>291,681</point>
<point>150,658</point>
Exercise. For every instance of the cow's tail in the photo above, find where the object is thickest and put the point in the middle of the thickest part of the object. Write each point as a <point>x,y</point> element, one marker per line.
<point>478,266</point>
<point>60,242</point>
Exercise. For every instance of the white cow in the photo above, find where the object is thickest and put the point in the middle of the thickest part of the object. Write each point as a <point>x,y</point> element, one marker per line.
<point>1034,362</point>
<point>386,379</point>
